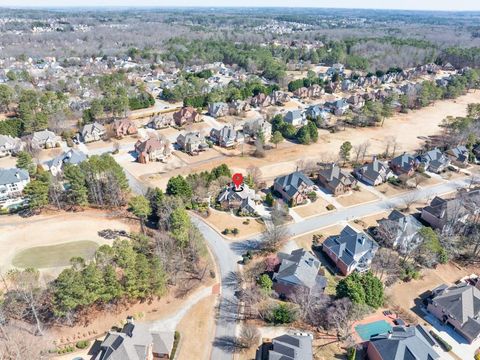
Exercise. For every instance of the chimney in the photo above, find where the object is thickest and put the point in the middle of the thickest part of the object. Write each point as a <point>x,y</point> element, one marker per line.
<point>374,158</point>
<point>17,175</point>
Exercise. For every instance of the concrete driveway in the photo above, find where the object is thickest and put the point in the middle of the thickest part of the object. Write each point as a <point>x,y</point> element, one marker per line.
<point>460,346</point>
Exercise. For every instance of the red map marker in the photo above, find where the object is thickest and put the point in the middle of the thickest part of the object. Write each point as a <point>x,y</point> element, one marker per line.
<point>237,180</point>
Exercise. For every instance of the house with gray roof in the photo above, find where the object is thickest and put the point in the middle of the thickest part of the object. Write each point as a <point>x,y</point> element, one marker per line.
<point>444,214</point>
<point>434,161</point>
<point>294,187</point>
<point>351,250</point>
<point>135,342</point>
<point>298,271</point>
<point>315,112</point>
<point>12,183</point>
<point>192,142</point>
<point>401,229</point>
<point>374,173</point>
<point>459,155</point>
<point>404,164</point>
<point>255,127</point>
<point>402,343</point>
<point>295,118</point>
<point>44,139</point>
<point>458,306</point>
<point>335,180</point>
<point>287,347</point>
<point>227,136</point>
<point>218,109</point>
<point>93,132</point>
<point>160,122</point>
<point>9,145</point>
<point>243,199</point>
<point>72,157</point>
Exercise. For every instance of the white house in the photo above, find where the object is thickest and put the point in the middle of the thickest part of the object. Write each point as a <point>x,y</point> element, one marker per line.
<point>93,132</point>
<point>9,145</point>
<point>12,183</point>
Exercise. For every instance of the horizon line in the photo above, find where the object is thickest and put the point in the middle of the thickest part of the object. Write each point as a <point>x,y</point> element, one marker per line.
<point>53,7</point>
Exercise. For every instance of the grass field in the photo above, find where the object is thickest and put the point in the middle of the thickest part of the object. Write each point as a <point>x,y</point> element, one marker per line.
<point>55,255</point>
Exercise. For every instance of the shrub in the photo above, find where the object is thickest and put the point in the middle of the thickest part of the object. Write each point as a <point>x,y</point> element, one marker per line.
<point>477,356</point>
<point>330,207</point>
<point>265,283</point>
<point>82,344</point>
<point>446,346</point>
<point>351,353</point>
<point>235,231</point>
<point>281,314</point>
<point>312,195</point>
<point>269,200</point>
<point>176,340</point>
<point>226,232</point>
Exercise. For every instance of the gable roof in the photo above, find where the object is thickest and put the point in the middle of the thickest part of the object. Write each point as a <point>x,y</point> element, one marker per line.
<point>90,128</point>
<point>405,343</point>
<point>462,303</point>
<point>13,175</point>
<point>291,183</point>
<point>133,342</point>
<point>350,244</point>
<point>299,268</point>
<point>72,156</point>
<point>291,347</point>
<point>334,175</point>
<point>373,170</point>
<point>404,161</point>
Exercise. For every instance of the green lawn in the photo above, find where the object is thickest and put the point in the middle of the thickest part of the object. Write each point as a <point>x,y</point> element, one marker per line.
<point>54,255</point>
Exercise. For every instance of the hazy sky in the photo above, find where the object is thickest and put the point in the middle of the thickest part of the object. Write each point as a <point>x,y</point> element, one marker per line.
<point>378,4</point>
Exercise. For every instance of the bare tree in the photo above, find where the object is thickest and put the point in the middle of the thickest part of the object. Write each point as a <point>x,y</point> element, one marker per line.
<point>25,296</point>
<point>272,237</point>
<point>249,336</point>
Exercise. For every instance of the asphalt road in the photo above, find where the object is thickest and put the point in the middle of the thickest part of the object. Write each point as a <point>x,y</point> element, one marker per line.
<point>227,315</point>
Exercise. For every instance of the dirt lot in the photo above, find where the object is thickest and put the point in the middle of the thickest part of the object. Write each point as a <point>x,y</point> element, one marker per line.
<point>197,330</point>
<point>390,190</point>
<point>220,220</point>
<point>365,222</point>
<point>315,208</point>
<point>17,234</point>
<point>356,197</point>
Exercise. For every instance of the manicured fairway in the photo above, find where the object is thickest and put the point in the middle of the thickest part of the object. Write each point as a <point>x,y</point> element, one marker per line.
<point>54,255</point>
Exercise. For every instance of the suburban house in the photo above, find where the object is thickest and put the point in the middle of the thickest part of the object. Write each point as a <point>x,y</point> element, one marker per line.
<point>446,212</point>
<point>434,161</point>
<point>298,271</point>
<point>186,115</point>
<point>403,342</point>
<point>12,183</point>
<point>404,164</point>
<point>315,112</point>
<point>152,150</point>
<point>338,107</point>
<point>244,200</point>
<point>236,107</point>
<point>92,132</point>
<point>459,307</point>
<point>261,100</point>
<point>335,180</point>
<point>294,187</point>
<point>258,126</point>
<point>280,97</point>
<point>374,173</point>
<point>44,139</point>
<point>336,69</point>
<point>401,229</point>
<point>9,145</point>
<point>72,156</point>
<point>159,122</point>
<point>124,127</point>
<point>218,109</point>
<point>459,155</point>
<point>295,118</point>
<point>135,342</point>
<point>192,142</point>
<point>287,347</point>
<point>350,250</point>
<point>226,136</point>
